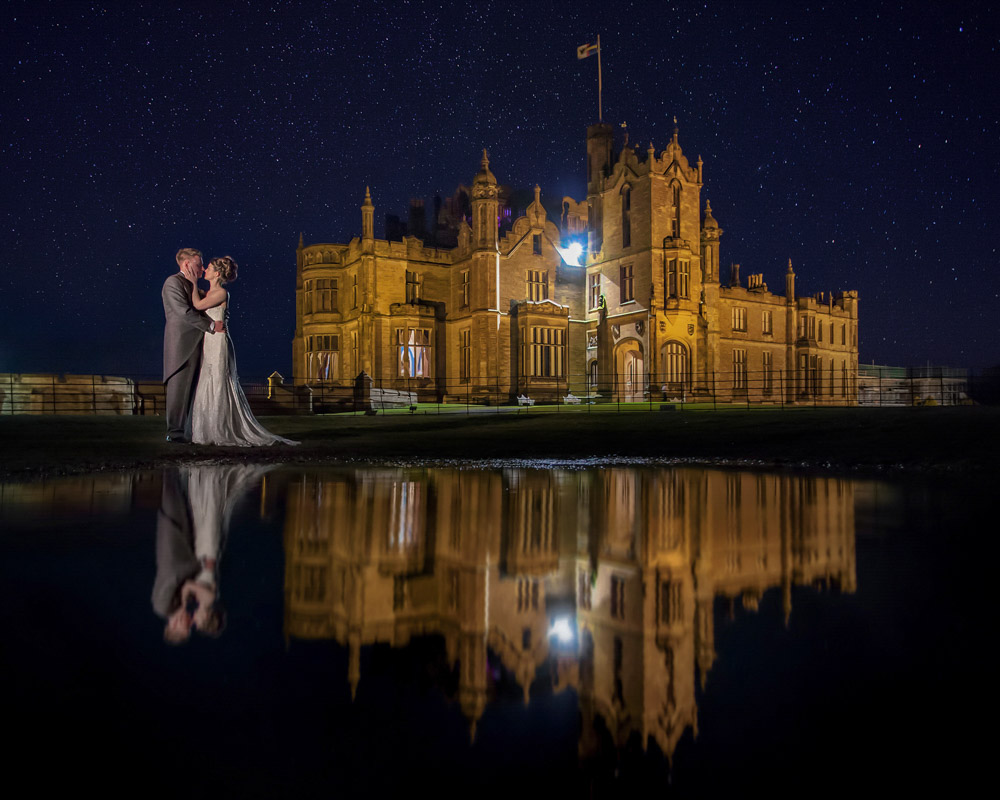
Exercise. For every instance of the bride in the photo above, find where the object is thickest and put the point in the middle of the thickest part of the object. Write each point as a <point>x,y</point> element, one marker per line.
<point>220,413</point>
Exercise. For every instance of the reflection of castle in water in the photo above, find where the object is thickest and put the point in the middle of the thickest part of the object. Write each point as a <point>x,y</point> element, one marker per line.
<point>489,560</point>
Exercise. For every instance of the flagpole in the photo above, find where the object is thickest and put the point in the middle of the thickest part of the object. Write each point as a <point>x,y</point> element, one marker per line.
<point>600,116</point>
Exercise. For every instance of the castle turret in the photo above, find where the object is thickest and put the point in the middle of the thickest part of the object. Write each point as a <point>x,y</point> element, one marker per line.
<point>485,206</point>
<point>710,234</point>
<point>367,218</point>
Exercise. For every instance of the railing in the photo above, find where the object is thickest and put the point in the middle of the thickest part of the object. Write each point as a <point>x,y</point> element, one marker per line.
<point>144,395</point>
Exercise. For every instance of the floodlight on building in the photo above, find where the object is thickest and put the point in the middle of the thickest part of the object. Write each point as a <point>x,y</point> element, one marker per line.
<point>571,255</point>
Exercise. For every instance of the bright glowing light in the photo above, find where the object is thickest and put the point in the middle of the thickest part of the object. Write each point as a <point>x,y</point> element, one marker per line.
<point>562,630</point>
<point>571,255</point>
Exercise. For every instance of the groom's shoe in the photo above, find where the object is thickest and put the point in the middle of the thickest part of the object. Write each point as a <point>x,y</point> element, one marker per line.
<point>178,440</point>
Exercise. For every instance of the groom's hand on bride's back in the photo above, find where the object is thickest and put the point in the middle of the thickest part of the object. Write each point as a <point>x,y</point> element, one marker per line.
<point>219,326</point>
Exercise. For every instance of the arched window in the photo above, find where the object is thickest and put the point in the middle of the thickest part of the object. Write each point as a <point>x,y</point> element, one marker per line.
<point>675,363</point>
<point>675,217</point>
<point>592,373</point>
<point>626,216</point>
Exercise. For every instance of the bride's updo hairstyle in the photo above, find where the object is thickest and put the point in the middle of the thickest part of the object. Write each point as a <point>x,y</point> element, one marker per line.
<point>226,268</point>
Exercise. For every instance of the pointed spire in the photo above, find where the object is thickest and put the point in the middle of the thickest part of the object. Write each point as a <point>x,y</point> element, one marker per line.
<point>709,219</point>
<point>484,173</point>
<point>367,217</point>
<point>538,192</point>
<point>301,243</point>
<point>790,270</point>
<point>676,129</point>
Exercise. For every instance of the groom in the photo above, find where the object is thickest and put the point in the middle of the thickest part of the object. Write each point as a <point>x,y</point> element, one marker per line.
<point>182,339</point>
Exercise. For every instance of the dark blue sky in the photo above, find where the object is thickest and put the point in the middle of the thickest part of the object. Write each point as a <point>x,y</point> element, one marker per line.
<point>860,140</point>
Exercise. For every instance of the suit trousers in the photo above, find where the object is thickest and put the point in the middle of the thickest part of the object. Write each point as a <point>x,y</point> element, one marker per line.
<point>180,397</point>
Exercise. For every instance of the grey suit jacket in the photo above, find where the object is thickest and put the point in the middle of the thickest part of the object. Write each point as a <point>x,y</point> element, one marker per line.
<point>186,326</point>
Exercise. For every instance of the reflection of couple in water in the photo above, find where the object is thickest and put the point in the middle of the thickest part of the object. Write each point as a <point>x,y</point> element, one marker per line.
<point>195,509</point>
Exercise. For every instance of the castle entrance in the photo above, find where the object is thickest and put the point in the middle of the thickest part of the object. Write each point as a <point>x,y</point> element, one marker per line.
<point>630,373</point>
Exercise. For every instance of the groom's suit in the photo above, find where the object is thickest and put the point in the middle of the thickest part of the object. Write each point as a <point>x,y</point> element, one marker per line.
<point>182,340</point>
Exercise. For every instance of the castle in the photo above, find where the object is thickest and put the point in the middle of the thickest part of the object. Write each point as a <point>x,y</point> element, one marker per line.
<point>499,307</point>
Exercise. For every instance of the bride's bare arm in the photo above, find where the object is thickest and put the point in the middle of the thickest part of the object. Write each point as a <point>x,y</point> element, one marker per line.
<point>215,297</point>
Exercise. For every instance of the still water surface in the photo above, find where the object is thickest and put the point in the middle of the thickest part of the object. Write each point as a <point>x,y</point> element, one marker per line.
<point>680,630</point>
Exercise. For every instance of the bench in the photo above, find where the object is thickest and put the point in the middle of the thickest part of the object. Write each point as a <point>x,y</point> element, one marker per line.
<point>525,401</point>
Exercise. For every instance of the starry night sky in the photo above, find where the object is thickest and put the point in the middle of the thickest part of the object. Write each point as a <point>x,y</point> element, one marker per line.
<point>860,140</point>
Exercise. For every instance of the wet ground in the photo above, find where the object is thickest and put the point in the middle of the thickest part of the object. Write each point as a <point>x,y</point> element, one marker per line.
<point>497,629</point>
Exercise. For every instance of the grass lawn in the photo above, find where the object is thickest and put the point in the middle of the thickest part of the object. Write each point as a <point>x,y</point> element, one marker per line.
<point>954,439</point>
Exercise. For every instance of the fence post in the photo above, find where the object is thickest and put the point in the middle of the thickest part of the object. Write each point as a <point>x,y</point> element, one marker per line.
<point>781,388</point>
<point>715,399</point>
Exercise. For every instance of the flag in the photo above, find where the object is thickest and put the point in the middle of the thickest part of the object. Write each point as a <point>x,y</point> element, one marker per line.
<point>585,50</point>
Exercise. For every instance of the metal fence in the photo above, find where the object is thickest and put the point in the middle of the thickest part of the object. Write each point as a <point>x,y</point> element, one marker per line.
<point>49,394</point>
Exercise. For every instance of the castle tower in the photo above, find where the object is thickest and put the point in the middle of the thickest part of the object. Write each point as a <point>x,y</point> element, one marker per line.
<point>367,218</point>
<point>366,288</point>
<point>791,331</point>
<point>489,360</point>
<point>710,234</point>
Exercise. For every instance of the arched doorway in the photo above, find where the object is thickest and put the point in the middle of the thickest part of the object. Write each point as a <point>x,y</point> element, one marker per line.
<point>675,368</point>
<point>630,371</point>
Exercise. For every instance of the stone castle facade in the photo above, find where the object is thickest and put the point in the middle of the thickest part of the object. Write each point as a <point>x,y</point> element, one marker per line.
<point>503,309</point>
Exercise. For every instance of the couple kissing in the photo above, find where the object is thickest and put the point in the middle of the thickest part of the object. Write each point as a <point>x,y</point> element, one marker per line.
<point>205,403</point>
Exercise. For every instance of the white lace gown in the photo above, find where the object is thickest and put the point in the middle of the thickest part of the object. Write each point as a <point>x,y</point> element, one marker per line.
<point>220,414</point>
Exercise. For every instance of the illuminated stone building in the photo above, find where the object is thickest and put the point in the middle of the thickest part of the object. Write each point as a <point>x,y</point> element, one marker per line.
<point>632,561</point>
<point>506,311</point>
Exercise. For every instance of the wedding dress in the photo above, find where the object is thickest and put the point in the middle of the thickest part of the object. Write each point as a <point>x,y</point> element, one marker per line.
<point>221,414</point>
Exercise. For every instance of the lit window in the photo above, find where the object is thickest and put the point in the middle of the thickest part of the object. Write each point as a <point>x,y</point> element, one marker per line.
<point>322,353</point>
<point>414,349</point>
